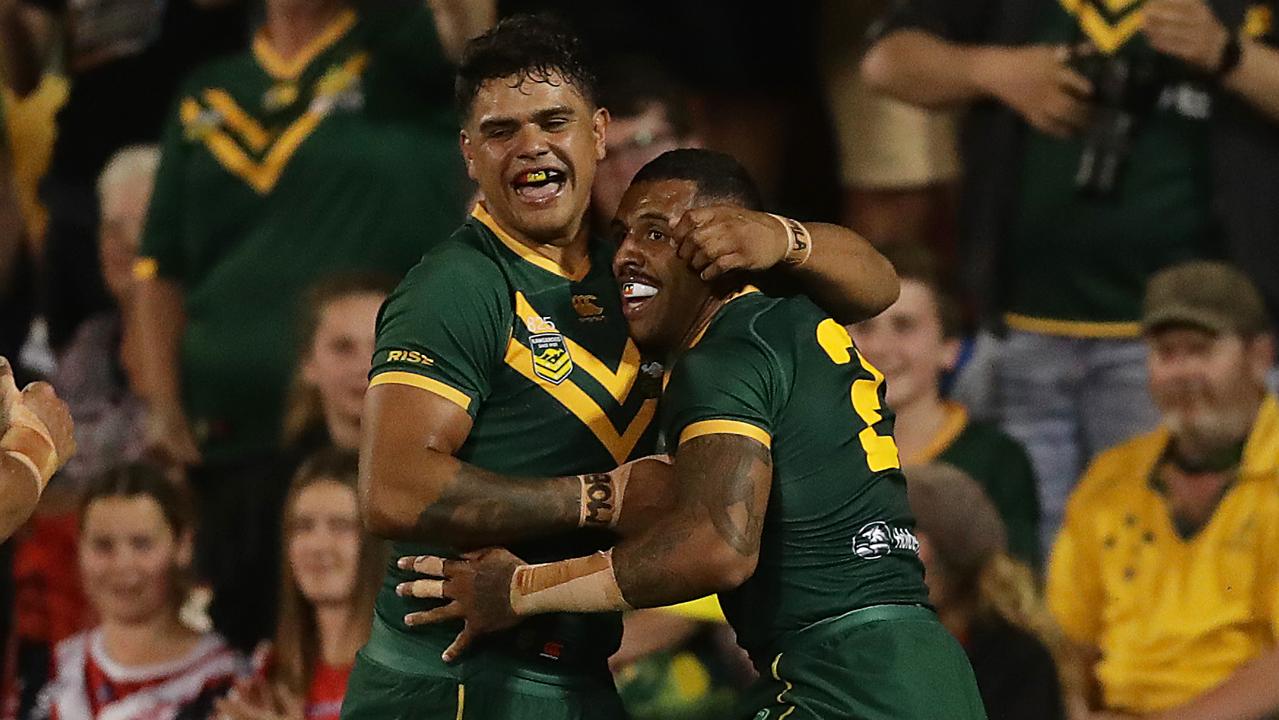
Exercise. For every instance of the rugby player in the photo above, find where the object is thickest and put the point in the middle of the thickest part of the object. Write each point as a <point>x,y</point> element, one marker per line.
<point>790,500</point>
<point>505,351</point>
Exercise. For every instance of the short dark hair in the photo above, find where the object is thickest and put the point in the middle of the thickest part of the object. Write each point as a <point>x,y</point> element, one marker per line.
<point>629,85</point>
<point>144,480</point>
<point>918,263</point>
<point>529,47</point>
<point>717,175</point>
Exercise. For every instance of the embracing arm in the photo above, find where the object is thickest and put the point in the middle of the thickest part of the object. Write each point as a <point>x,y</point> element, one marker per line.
<point>413,488</point>
<point>711,542</point>
<point>839,270</point>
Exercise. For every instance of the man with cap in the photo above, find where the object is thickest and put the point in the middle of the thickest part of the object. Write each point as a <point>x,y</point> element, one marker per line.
<point>1165,578</point>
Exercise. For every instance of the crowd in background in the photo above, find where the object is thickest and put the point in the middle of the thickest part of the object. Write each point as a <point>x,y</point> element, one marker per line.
<point>203,204</point>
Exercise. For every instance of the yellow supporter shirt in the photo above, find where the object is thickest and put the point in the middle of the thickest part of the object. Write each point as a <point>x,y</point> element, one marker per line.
<point>1172,617</point>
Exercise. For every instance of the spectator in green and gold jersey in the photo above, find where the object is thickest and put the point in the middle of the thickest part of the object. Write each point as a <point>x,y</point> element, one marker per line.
<point>914,343</point>
<point>329,146</point>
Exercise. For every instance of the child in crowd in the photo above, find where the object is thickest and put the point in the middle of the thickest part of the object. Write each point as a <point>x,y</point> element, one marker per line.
<point>141,662</point>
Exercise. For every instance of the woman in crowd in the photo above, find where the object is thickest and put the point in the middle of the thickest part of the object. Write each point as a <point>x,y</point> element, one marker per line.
<point>330,578</point>
<point>985,598</point>
<point>141,662</point>
<point>337,333</point>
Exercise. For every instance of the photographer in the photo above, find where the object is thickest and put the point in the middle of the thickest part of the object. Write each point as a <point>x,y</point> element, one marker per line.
<point>1104,141</point>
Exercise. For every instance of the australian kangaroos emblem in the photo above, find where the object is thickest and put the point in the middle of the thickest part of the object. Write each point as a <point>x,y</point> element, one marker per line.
<point>551,360</point>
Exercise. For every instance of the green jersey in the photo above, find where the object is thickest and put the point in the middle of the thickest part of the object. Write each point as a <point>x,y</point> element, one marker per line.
<point>275,174</point>
<point>1078,265</point>
<point>1001,466</point>
<point>838,533</point>
<point>542,363</point>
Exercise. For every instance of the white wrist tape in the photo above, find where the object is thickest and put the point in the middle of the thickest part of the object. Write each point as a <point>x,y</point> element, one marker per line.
<point>585,584</point>
<point>28,441</point>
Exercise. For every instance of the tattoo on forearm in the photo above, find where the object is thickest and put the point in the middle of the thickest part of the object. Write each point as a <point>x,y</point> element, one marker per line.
<point>598,505</point>
<point>727,489</point>
<point>479,508</point>
<point>720,483</point>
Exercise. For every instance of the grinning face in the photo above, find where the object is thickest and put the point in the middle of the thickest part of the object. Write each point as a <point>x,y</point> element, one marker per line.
<point>323,531</point>
<point>906,342</point>
<point>661,294</point>
<point>532,146</point>
<point>1207,385</point>
<point>130,558</point>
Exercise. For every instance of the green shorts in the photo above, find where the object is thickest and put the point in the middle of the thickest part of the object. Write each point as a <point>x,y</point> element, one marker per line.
<point>886,662</point>
<point>484,687</point>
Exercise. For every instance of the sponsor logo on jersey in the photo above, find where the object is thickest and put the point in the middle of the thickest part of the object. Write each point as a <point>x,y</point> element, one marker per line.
<point>410,356</point>
<point>878,539</point>
<point>762,714</point>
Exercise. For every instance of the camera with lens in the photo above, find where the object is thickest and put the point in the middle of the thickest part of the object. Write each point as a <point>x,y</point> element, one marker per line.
<point>1125,91</point>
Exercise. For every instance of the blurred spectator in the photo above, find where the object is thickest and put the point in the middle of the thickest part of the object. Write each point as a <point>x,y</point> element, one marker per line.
<point>140,662</point>
<point>124,59</point>
<point>986,599</point>
<point>339,317</point>
<point>650,115</point>
<point>1166,574</point>
<point>914,343</point>
<point>332,573</point>
<point>323,411</point>
<point>1104,141</point>
<point>93,372</point>
<point>899,164</point>
<point>330,146</point>
<point>680,663</point>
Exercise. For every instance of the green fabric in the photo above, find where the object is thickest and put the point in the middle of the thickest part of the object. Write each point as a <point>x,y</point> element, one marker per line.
<point>457,308</point>
<point>1000,465</point>
<point>1075,258</point>
<point>491,689</point>
<point>881,663</point>
<point>371,186</point>
<point>759,362</point>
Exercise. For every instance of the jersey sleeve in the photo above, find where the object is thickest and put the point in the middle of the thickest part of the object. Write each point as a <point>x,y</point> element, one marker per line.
<point>160,253</point>
<point>444,328</point>
<point>1074,590</point>
<point>730,387</point>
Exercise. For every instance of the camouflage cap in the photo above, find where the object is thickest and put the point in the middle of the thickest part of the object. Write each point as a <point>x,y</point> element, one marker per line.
<point>1214,296</point>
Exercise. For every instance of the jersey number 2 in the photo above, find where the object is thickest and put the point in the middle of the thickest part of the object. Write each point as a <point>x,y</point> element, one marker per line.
<point>881,450</point>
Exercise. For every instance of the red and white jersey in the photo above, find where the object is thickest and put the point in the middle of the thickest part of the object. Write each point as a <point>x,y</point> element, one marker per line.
<point>88,685</point>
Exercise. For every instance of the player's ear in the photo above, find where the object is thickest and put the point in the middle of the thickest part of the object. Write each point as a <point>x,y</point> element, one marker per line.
<point>599,128</point>
<point>468,154</point>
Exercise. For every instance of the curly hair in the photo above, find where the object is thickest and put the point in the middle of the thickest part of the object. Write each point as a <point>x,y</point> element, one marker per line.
<point>534,48</point>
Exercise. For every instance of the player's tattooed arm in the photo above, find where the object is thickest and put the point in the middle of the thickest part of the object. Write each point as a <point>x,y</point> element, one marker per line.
<point>710,543</point>
<point>413,488</point>
<point>707,542</point>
